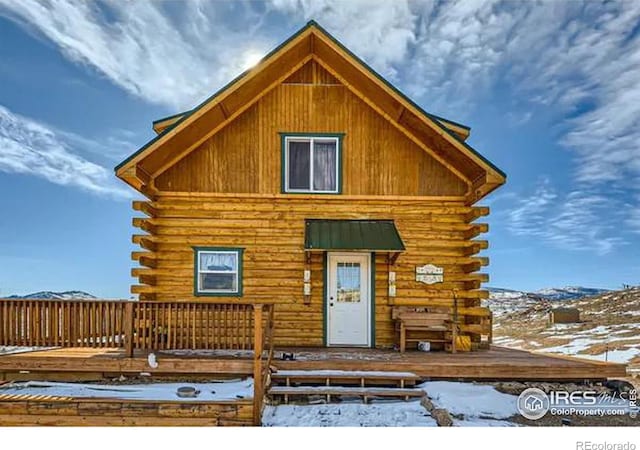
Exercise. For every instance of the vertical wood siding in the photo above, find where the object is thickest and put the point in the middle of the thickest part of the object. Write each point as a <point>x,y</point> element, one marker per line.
<point>246,155</point>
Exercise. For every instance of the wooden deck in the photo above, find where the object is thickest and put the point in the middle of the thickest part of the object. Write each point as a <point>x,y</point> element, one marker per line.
<point>95,363</point>
<point>498,363</point>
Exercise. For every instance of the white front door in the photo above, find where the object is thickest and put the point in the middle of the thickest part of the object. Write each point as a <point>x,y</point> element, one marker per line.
<point>348,299</point>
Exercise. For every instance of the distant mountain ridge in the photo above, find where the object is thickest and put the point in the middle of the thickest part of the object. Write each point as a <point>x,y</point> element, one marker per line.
<point>50,295</point>
<point>564,293</point>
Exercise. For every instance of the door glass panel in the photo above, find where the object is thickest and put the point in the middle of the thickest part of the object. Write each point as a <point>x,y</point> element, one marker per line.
<point>348,278</point>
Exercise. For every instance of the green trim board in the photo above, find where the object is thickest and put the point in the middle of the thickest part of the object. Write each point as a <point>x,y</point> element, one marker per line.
<point>348,234</point>
<point>172,116</point>
<point>372,294</point>
<point>196,252</point>
<point>325,292</point>
<point>283,156</point>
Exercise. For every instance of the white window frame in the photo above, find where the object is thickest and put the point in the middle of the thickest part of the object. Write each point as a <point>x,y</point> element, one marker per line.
<point>311,140</point>
<point>235,272</point>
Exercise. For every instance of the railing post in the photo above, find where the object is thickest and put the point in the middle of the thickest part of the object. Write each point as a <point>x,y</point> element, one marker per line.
<point>128,328</point>
<point>490,328</point>
<point>258,387</point>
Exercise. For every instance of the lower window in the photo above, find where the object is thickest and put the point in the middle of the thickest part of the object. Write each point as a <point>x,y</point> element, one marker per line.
<point>218,271</point>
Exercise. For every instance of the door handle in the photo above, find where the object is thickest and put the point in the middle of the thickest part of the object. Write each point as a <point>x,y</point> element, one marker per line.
<point>330,301</point>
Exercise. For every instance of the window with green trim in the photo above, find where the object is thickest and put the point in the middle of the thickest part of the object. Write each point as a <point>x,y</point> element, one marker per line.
<point>218,271</point>
<point>311,164</point>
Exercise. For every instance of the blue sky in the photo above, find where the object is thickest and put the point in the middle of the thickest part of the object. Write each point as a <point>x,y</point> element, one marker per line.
<point>551,91</point>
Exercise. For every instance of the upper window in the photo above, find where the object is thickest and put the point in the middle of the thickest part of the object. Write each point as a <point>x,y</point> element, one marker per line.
<point>311,164</point>
<point>218,271</point>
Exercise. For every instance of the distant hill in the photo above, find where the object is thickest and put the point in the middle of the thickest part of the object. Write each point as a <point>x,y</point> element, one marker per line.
<point>563,293</point>
<point>569,292</point>
<point>50,295</point>
<point>502,301</point>
<point>609,327</point>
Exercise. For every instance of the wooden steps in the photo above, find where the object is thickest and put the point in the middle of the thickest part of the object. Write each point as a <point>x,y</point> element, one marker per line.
<point>366,393</point>
<point>343,383</point>
<point>344,377</point>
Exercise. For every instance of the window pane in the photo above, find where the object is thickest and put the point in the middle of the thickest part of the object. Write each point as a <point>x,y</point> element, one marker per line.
<point>348,282</point>
<point>219,261</point>
<point>218,282</point>
<point>324,166</point>
<point>299,165</point>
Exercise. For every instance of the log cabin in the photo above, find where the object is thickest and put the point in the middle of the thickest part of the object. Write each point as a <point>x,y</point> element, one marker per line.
<point>311,183</point>
<point>308,203</point>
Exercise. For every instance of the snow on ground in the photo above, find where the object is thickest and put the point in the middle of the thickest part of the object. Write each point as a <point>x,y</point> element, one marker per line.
<point>337,373</point>
<point>572,347</point>
<point>223,390</point>
<point>387,414</point>
<point>472,404</point>
<point>616,356</point>
<point>507,342</point>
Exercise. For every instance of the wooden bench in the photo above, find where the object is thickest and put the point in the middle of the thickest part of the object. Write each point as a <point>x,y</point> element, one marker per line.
<point>425,319</point>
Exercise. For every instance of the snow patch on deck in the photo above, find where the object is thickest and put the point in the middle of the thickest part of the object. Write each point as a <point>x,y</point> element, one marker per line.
<point>14,349</point>
<point>224,390</point>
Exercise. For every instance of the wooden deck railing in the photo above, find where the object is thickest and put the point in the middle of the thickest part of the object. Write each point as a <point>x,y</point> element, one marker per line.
<point>62,323</point>
<point>161,325</point>
<point>145,325</point>
<point>134,325</point>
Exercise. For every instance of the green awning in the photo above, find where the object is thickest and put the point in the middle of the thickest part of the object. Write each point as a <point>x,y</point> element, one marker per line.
<point>374,235</point>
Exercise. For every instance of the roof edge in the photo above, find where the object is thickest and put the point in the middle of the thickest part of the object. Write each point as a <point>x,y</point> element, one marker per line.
<point>213,96</point>
<point>432,118</point>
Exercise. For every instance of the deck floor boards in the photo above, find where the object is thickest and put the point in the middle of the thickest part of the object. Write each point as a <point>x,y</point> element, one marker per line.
<point>496,363</point>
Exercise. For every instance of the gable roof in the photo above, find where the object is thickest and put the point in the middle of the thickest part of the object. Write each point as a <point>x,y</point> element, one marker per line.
<point>184,132</point>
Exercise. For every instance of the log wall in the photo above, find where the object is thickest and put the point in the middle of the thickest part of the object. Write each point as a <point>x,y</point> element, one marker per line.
<point>37,411</point>
<point>227,193</point>
<point>271,231</point>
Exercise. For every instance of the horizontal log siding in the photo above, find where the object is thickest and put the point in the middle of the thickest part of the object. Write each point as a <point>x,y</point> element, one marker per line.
<point>99,412</point>
<point>271,230</point>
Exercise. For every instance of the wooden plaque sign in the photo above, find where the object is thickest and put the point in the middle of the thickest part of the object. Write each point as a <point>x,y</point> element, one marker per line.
<point>429,274</point>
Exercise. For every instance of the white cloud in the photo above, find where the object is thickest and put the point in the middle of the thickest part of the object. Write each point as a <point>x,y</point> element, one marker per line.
<point>31,148</point>
<point>574,59</point>
<point>633,219</point>
<point>379,31</point>
<point>173,60</point>
<point>580,220</point>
